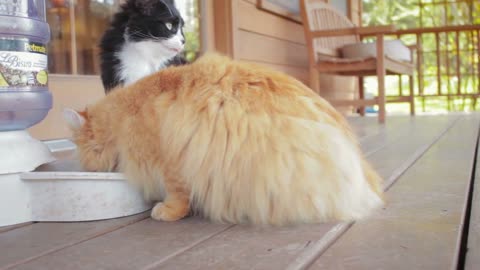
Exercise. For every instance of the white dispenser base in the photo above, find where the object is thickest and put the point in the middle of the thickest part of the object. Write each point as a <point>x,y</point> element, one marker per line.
<point>19,152</point>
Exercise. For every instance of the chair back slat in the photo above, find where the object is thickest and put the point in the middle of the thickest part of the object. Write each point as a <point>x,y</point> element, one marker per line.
<point>322,16</point>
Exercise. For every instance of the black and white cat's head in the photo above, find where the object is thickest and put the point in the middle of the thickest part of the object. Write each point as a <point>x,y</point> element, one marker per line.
<point>155,21</point>
<point>144,37</point>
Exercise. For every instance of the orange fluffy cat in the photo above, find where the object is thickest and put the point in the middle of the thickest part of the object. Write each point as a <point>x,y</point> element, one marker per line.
<point>232,141</point>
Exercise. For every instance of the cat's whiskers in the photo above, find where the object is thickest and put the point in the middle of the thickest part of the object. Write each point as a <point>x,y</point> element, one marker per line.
<point>149,36</point>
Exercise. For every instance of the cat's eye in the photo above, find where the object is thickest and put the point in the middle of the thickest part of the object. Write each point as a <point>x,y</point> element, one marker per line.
<point>169,26</point>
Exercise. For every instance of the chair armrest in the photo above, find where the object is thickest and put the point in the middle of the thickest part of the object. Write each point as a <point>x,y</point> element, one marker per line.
<point>413,47</point>
<point>363,31</point>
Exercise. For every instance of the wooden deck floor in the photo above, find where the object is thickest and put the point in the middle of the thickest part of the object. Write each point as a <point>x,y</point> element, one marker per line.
<point>428,163</point>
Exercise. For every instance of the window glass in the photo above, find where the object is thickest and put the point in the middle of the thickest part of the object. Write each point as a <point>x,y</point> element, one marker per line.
<point>77,26</point>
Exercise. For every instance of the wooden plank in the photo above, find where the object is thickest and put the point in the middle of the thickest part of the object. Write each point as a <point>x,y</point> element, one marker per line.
<point>247,247</point>
<point>472,260</point>
<point>438,29</point>
<point>419,59</point>
<point>140,246</point>
<point>252,19</point>
<point>385,164</point>
<point>421,226</point>
<point>380,66</point>
<point>471,95</point>
<point>225,27</point>
<point>299,73</point>
<point>364,67</point>
<point>27,243</point>
<point>397,128</point>
<point>368,65</point>
<point>373,137</point>
<point>261,48</point>
<point>457,66</point>
<point>357,103</point>
<point>364,127</point>
<point>363,31</point>
<point>439,66</point>
<point>13,227</point>
<point>393,99</point>
<point>386,161</point>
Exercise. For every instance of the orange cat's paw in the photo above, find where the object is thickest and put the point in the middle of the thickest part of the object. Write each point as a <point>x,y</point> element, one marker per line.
<point>168,212</point>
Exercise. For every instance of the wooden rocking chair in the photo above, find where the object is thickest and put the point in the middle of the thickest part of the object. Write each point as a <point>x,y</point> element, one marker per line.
<point>327,31</point>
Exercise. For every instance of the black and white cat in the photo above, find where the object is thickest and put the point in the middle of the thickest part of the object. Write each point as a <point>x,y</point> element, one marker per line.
<point>144,37</point>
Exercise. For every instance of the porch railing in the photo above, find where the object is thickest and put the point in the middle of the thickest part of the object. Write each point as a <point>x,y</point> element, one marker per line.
<point>448,64</point>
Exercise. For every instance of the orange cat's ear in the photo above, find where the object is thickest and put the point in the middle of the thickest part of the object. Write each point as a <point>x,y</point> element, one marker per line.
<point>75,120</point>
<point>83,114</point>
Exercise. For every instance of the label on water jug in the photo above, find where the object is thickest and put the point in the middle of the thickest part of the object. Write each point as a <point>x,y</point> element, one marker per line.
<point>22,63</point>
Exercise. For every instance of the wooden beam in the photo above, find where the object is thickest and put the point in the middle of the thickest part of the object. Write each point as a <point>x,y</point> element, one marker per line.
<point>423,30</point>
<point>439,77</point>
<point>458,63</point>
<point>381,73</point>
<point>225,27</point>
<point>355,103</point>
<point>452,95</point>
<point>419,68</point>
<point>336,67</point>
<point>397,99</point>
<point>370,30</point>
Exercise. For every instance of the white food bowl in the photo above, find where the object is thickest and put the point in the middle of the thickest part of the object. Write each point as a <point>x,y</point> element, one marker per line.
<point>61,191</point>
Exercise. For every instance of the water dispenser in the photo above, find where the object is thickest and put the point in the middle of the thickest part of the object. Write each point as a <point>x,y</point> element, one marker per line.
<point>24,96</point>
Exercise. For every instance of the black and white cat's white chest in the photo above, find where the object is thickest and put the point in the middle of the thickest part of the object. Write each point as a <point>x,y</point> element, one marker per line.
<point>138,59</point>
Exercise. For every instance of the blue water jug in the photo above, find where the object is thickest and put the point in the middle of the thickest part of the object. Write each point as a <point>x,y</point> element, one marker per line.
<point>24,34</point>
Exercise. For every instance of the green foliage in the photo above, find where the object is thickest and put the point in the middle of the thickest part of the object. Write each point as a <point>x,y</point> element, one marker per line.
<point>420,13</point>
<point>433,13</point>
<point>192,45</point>
<point>191,29</point>
<point>403,14</point>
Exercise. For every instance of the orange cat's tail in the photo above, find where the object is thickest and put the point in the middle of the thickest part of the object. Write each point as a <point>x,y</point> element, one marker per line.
<point>373,179</point>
